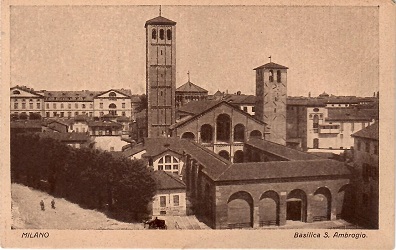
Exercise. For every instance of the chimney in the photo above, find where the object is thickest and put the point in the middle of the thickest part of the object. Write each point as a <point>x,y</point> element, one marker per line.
<point>309,94</point>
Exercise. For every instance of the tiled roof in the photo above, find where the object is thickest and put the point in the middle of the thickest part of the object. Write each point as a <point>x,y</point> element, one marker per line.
<point>241,99</point>
<point>128,152</point>
<point>191,87</point>
<point>271,65</point>
<point>284,170</point>
<point>63,96</point>
<point>280,150</point>
<point>167,181</point>
<point>369,132</point>
<point>66,137</point>
<point>197,107</point>
<point>26,124</point>
<point>159,20</point>
<point>218,93</point>
<point>103,124</point>
<point>81,118</point>
<point>351,114</point>
<point>123,119</point>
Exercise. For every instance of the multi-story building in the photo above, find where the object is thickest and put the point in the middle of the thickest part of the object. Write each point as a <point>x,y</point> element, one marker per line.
<point>24,100</point>
<point>69,104</point>
<point>160,75</point>
<point>366,175</point>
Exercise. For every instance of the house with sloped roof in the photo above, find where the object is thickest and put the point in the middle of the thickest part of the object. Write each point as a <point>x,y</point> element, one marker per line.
<point>170,197</point>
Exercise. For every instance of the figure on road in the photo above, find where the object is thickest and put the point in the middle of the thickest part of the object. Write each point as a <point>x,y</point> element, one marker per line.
<point>42,205</point>
<point>53,204</point>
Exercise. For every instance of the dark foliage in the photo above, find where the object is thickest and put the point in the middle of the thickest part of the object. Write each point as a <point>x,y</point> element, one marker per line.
<point>34,116</point>
<point>23,116</point>
<point>143,103</point>
<point>91,178</point>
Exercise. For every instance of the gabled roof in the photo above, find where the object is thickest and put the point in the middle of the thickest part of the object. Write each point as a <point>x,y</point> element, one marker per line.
<point>369,132</point>
<point>167,181</point>
<point>26,89</point>
<point>191,87</point>
<point>280,150</point>
<point>210,106</point>
<point>126,92</point>
<point>271,65</point>
<point>159,20</point>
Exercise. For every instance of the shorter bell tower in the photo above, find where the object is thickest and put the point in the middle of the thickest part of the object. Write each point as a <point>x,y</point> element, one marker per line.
<point>271,95</point>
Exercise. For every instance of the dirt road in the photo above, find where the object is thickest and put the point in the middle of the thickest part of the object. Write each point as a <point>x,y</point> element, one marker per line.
<point>27,213</point>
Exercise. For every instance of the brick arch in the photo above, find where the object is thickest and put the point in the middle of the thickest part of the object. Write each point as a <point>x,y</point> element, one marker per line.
<point>223,128</point>
<point>240,210</point>
<point>239,156</point>
<point>188,136</point>
<point>225,154</point>
<point>345,201</point>
<point>256,134</point>
<point>239,132</point>
<point>269,208</point>
<point>321,204</point>
<point>296,207</point>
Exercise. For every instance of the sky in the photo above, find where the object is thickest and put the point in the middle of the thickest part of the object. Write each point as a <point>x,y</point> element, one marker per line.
<point>331,49</point>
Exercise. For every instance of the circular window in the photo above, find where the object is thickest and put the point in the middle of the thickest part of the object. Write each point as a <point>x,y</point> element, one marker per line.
<point>316,110</point>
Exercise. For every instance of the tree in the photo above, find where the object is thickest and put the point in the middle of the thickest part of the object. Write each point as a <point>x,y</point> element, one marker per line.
<point>14,117</point>
<point>143,103</point>
<point>34,116</point>
<point>23,116</point>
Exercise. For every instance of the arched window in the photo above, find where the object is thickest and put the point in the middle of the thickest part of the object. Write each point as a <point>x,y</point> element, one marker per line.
<point>188,136</point>
<point>238,156</point>
<point>112,94</point>
<point>162,34</point>
<point>206,133</point>
<point>112,106</point>
<point>271,75</point>
<point>239,133</point>
<point>224,154</point>
<point>169,163</point>
<point>278,76</point>
<point>154,34</point>
<point>223,128</point>
<point>169,34</point>
<point>255,134</point>
<point>16,92</point>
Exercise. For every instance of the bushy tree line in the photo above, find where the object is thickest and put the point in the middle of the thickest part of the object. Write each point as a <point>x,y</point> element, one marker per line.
<point>91,178</point>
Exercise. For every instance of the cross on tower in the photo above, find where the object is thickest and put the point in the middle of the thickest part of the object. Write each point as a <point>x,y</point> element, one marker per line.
<point>269,58</point>
<point>188,74</point>
<point>160,10</point>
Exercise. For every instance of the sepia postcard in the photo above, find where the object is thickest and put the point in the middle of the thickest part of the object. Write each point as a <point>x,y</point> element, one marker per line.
<point>218,124</point>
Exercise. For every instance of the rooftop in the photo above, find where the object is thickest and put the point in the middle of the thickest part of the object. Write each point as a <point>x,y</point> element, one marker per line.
<point>351,114</point>
<point>241,99</point>
<point>66,137</point>
<point>369,132</point>
<point>280,150</point>
<point>159,20</point>
<point>191,87</point>
<point>271,65</point>
<point>166,181</point>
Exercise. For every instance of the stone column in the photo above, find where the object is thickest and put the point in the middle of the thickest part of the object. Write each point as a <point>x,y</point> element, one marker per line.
<point>256,217</point>
<point>282,208</point>
<point>333,215</point>
<point>309,218</point>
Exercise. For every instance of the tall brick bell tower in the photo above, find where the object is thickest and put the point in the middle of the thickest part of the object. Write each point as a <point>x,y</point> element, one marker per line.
<point>271,94</point>
<point>160,75</point>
